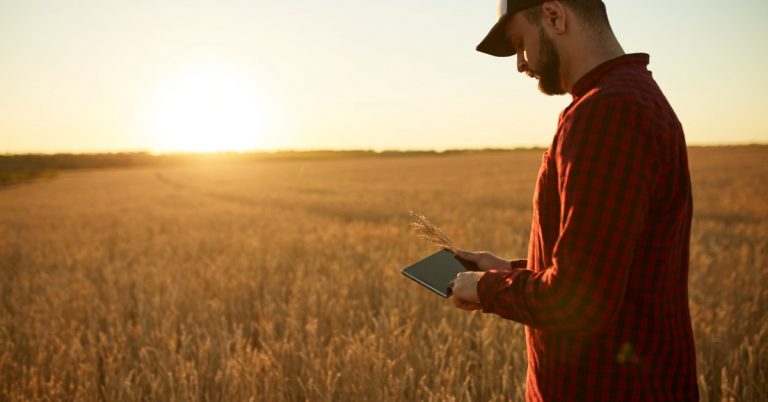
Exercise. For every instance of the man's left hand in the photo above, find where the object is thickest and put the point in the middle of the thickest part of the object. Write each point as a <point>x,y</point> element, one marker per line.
<point>465,290</point>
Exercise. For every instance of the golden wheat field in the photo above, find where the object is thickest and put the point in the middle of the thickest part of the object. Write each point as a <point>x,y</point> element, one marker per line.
<point>279,280</point>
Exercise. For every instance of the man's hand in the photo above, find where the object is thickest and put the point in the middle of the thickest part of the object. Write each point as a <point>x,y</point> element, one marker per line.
<point>485,261</point>
<point>465,290</point>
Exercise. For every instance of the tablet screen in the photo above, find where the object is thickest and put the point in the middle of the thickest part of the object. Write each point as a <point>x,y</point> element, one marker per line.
<point>437,271</point>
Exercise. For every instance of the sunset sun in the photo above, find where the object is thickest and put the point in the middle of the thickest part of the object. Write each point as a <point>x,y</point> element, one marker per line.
<point>206,110</point>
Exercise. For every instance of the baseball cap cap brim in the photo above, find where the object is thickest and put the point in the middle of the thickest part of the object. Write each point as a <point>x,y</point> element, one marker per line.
<point>496,43</point>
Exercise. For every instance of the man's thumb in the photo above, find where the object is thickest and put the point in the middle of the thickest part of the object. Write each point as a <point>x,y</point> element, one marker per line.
<point>460,253</point>
<point>467,255</point>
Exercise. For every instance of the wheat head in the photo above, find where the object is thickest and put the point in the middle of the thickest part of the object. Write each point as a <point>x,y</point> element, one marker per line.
<point>425,229</point>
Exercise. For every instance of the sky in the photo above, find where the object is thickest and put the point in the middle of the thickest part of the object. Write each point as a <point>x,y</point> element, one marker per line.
<point>163,76</point>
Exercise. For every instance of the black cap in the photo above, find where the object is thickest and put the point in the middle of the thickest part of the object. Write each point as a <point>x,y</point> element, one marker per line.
<point>496,43</point>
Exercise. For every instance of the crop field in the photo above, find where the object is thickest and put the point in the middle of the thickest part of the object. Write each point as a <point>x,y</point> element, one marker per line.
<point>279,280</point>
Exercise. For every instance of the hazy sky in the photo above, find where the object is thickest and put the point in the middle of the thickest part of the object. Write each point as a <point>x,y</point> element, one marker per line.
<point>82,76</point>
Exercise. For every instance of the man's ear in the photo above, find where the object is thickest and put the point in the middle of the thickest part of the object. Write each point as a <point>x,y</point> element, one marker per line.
<point>553,16</point>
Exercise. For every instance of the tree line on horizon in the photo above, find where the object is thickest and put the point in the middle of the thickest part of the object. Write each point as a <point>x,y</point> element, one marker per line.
<point>18,168</point>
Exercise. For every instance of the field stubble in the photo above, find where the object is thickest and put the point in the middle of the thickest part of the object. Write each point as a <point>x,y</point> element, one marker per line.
<point>280,280</point>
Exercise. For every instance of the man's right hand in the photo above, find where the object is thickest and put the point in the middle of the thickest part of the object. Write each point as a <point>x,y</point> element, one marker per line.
<point>485,261</point>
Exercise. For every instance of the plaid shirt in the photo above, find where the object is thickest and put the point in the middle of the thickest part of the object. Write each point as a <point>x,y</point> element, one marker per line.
<point>604,291</point>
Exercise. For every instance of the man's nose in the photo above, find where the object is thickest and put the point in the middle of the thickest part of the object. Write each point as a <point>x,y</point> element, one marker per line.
<point>522,64</point>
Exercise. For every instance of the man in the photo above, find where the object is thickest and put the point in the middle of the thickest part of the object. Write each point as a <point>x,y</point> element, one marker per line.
<point>603,293</point>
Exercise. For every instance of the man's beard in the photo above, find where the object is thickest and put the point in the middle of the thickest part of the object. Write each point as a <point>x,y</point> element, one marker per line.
<point>549,71</point>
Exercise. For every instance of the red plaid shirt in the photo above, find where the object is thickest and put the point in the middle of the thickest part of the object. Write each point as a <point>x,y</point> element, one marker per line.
<point>604,293</point>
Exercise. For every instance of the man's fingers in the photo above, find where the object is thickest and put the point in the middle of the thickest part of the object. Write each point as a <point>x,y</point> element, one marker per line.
<point>465,305</point>
<point>469,258</point>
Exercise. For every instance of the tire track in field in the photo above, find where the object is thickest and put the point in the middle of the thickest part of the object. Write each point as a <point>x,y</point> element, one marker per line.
<point>329,210</point>
<point>229,198</point>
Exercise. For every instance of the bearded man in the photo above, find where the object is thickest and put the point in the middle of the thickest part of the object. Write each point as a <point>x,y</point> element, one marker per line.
<point>603,293</point>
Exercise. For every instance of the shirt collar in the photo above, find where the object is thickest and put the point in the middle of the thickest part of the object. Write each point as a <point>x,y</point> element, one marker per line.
<point>591,79</point>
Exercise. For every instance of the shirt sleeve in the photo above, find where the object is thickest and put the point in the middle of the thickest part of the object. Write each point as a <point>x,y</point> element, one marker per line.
<point>606,169</point>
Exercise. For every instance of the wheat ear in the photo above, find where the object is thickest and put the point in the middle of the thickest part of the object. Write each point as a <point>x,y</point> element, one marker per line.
<point>425,229</point>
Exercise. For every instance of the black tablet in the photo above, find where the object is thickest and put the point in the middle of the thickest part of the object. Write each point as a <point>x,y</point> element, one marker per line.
<point>438,270</point>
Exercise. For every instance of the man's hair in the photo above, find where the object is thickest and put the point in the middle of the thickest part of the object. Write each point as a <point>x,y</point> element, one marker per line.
<point>592,12</point>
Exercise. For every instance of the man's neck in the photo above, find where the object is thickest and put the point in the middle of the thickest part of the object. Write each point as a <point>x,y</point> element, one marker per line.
<point>584,58</point>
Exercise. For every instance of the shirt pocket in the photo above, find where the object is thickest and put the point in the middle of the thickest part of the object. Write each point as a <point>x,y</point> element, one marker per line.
<point>540,195</point>
<point>547,208</point>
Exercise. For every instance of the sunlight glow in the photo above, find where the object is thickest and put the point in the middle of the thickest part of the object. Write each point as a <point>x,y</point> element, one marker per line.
<point>206,110</point>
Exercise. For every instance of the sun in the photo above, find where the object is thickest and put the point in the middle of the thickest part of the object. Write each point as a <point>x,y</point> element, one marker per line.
<point>206,110</point>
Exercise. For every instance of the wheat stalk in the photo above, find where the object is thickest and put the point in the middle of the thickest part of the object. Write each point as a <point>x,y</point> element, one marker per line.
<point>425,229</point>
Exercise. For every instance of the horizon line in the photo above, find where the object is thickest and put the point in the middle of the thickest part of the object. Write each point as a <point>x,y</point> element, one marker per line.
<point>334,150</point>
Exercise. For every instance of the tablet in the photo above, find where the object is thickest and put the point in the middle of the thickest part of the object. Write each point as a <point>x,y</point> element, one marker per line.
<point>438,270</point>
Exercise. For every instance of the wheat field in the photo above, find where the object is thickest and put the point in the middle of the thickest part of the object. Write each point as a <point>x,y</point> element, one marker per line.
<point>279,280</point>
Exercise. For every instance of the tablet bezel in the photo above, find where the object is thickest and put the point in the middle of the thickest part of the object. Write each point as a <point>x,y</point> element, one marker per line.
<point>466,265</point>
